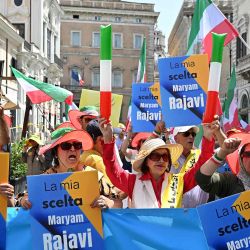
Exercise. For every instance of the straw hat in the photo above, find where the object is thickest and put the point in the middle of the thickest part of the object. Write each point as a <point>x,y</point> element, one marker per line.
<point>74,115</point>
<point>35,138</point>
<point>233,158</point>
<point>149,146</point>
<point>66,134</point>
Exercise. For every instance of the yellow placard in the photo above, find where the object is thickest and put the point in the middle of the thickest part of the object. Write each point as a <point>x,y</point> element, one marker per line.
<point>4,175</point>
<point>92,97</point>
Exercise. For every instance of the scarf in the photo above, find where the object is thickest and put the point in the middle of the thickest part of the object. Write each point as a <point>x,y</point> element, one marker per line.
<point>243,175</point>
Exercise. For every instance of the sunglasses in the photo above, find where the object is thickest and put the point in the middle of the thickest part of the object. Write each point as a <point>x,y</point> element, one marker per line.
<point>68,146</point>
<point>246,154</point>
<point>157,157</point>
<point>188,133</point>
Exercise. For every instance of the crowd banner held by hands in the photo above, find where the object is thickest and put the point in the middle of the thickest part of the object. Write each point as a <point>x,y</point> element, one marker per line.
<point>4,176</point>
<point>183,82</point>
<point>127,229</point>
<point>226,222</point>
<point>61,211</point>
<point>92,97</point>
<point>105,71</point>
<point>208,18</point>
<point>146,106</point>
<point>214,77</point>
<point>39,92</point>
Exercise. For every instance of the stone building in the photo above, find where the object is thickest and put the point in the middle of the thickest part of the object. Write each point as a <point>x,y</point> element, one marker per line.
<point>38,26</point>
<point>80,43</point>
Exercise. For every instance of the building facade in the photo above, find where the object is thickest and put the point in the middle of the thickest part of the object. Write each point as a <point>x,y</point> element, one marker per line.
<point>38,25</point>
<point>80,44</point>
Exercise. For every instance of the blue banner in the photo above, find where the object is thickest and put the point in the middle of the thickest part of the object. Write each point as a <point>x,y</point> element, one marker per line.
<point>127,229</point>
<point>226,222</point>
<point>183,82</point>
<point>146,106</point>
<point>63,217</point>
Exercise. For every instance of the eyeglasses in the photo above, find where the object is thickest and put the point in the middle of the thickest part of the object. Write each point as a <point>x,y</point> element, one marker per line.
<point>246,154</point>
<point>157,157</point>
<point>68,146</point>
<point>188,133</point>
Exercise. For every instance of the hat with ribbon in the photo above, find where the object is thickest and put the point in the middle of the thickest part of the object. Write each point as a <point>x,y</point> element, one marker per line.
<point>74,115</point>
<point>66,134</point>
<point>152,144</point>
<point>233,158</point>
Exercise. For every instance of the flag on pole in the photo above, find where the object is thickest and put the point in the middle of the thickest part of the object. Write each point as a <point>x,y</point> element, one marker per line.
<point>105,71</point>
<point>39,92</point>
<point>214,78</point>
<point>207,19</point>
<point>231,117</point>
<point>141,73</point>
<point>75,75</point>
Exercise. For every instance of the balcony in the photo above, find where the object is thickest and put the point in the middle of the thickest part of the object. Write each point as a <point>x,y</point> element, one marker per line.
<point>58,61</point>
<point>244,67</point>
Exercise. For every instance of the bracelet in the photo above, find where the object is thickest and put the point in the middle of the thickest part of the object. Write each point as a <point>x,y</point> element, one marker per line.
<point>217,157</point>
<point>217,160</point>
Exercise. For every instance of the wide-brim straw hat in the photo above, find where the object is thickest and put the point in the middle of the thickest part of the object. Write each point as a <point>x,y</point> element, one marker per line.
<point>66,134</point>
<point>74,115</point>
<point>233,159</point>
<point>152,144</point>
<point>35,138</point>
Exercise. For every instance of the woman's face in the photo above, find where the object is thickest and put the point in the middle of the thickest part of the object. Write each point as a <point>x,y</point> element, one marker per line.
<point>158,162</point>
<point>246,158</point>
<point>68,154</point>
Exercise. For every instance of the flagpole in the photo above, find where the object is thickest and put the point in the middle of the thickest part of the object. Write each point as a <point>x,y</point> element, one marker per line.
<point>244,42</point>
<point>26,117</point>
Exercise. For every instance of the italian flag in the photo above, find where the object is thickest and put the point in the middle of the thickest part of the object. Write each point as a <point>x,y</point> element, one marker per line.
<point>39,92</point>
<point>214,78</point>
<point>105,71</point>
<point>207,19</point>
<point>141,73</point>
<point>231,117</point>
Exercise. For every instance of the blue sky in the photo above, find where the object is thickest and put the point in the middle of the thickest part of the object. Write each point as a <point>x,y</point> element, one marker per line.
<point>168,9</point>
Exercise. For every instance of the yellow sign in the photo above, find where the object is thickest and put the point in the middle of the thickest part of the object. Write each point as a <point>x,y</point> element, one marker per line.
<point>92,97</point>
<point>242,205</point>
<point>4,175</point>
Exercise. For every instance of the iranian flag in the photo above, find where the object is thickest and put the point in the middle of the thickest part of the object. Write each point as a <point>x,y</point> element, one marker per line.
<point>105,71</point>
<point>39,92</point>
<point>141,73</point>
<point>231,117</point>
<point>207,19</point>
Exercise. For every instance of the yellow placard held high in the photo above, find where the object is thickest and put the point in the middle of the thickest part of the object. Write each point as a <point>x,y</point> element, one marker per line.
<point>92,97</point>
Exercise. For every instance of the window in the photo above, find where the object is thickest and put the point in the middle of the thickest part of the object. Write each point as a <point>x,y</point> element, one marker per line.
<point>55,43</point>
<point>98,18</point>
<point>241,48</point>
<point>118,19</point>
<point>138,38</point>
<point>13,64</point>
<point>117,79</point>
<point>48,44</point>
<point>138,20</point>
<point>96,39</point>
<point>96,77</point>
<point>75,38</point>
<point>134,76</point>
<point>75,73</point>
<point>244,106</point>
<point>21,29</point>
<point>117,41</point>
<point>75,16</point>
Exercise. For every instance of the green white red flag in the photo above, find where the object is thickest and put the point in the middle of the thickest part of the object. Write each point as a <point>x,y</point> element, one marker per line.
<point>208,18</point>
<point>105,71</point>
<point>141,73</point>
<point>231,117</point>
<point>39,92</point>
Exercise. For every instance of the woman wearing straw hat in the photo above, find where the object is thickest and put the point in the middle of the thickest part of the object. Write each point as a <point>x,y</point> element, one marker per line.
<point>153,186</point>
<point>66,145</point>
<point>226,184</point>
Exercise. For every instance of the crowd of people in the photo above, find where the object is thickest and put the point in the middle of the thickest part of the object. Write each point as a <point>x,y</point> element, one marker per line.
<point>149,170</point>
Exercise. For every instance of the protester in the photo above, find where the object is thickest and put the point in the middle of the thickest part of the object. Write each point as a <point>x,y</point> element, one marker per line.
<point>81,118</point>
<point>35,162</point>
<point>6,189</point>
<point>226,184</point>
<point>66,148</point>
<point>153,186</point>
<point>121,135</point>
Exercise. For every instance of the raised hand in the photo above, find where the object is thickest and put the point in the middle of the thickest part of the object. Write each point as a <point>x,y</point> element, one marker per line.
<point>106,129</point>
